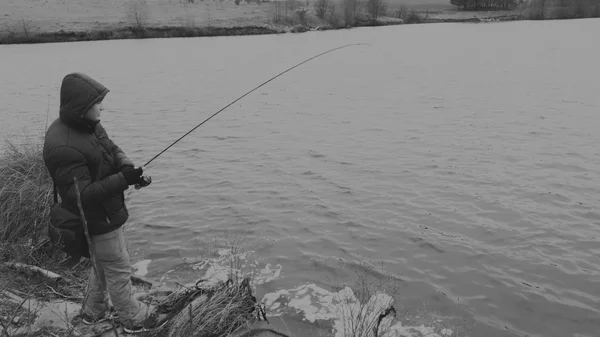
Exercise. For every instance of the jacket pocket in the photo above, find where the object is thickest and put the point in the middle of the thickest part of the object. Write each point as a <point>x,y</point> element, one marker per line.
<point>115,209</point>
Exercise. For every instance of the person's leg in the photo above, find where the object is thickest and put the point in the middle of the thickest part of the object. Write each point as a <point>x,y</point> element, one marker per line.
<point>94,306</point>
<point>113,259</point>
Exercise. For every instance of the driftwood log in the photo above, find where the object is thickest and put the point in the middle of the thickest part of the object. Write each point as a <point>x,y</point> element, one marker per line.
<point>56,277</point>
<point>46,273</point>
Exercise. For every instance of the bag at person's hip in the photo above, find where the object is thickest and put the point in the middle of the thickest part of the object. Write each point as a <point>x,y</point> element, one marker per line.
<point>67,229</point>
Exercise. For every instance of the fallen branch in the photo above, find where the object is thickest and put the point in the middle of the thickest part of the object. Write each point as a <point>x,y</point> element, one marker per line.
<point>77,298</point>
<point>16,291</point>
<point>56,277</point>
<point>43,272</point>
<point>12,297</point>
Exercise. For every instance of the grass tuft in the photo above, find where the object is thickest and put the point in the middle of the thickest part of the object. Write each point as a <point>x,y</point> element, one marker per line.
<point>26,196</point>
<point>220,310</point>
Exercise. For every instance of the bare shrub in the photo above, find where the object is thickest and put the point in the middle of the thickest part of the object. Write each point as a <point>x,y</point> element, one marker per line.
<point>537,10</point>
<point>285,12</point>
<point>375,8</point>
<point>137,13</point>
<point>321,7</point>
<point>16,31</point>
<point>401,12</point>
<point>585,8</point>
<point>277,12</point>
<point>350,8</point>
<point>290,8</point>
<point>333,19</point>
<point>562,9</point>
<point>301,13</point>
<point>415,17</point>
<point>25,27</point>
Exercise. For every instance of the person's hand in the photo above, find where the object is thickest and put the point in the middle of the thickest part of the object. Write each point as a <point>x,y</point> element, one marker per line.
<point>144,181</point>
<point>132,175</point>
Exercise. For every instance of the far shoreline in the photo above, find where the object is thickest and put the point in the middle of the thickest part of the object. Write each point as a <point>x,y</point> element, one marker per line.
<point>56,21</point>
<point>132,33</point>
<point>169,31</point>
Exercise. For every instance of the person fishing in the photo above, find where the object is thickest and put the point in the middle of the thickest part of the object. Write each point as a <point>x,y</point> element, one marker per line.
<point>77,146</point>
<point>78,149</point>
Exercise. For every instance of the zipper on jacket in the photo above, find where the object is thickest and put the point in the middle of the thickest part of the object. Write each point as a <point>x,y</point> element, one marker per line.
<point>102,159</point>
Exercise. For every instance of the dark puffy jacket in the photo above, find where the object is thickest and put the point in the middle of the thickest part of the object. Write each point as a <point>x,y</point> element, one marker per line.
<point>75,147</point>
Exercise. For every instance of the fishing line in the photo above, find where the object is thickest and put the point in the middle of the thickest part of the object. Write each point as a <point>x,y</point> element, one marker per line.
<point>246,94</point>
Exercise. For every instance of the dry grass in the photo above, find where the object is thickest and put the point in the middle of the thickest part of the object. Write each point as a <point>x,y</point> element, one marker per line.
<point>25,200</point>
<point>232,248</point>
<point>219,310</point>
<point>367,301</point>
<point>211,307</point>
<point>26,195</point>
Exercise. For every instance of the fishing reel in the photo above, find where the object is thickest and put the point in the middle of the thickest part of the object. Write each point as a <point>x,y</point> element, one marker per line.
<point>145,181</point>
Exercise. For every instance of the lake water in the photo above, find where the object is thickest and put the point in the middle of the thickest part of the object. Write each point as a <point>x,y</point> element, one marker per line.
<point>461,159</point>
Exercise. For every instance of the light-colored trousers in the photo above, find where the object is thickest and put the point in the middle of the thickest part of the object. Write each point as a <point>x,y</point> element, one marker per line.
<point>114,271</point>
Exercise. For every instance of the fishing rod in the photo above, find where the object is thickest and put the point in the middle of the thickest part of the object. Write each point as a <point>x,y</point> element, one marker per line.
<point>148,179</point>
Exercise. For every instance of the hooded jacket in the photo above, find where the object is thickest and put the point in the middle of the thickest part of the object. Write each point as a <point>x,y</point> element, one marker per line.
<point>78,148</point>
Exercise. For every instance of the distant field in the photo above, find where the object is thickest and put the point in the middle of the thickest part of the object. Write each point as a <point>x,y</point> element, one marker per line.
<point>81,15</point>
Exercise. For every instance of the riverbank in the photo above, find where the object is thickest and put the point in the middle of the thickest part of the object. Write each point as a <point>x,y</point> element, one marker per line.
<point>39,302</point>
<point>42,290</point>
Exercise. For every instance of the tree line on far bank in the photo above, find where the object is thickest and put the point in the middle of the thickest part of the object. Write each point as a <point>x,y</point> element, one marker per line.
<point>536,9</point>
<point>486,4</point>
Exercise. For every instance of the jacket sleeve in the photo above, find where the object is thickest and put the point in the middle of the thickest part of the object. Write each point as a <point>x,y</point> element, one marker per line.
<point>69,164</point>
<point>117,153</point>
